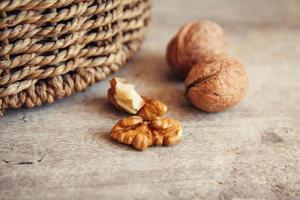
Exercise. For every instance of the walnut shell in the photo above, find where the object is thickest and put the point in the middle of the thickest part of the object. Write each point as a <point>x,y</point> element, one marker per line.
<point>124,96</point>
<point>193,43</point>
<point>216,84</point>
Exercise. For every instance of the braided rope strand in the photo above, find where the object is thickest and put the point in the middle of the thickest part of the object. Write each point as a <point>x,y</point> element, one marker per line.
<point>54,48</point>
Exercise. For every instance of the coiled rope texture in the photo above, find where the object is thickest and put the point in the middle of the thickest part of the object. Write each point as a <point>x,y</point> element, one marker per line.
<point>50,49</point>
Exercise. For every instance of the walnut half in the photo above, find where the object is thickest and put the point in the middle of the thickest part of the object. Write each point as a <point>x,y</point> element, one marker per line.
<point>142,134</point>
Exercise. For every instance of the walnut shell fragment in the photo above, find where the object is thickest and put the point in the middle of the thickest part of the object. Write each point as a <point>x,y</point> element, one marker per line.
<point>124,96</point>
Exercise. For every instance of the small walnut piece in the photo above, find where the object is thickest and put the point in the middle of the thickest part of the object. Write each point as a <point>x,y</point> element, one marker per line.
<point>219,83</point>
<point>193,43</point>
<point>142,134</point>
<point>152,109</point>
<point>165,131</point>
<point>124,96</point>
<point>133,131</point>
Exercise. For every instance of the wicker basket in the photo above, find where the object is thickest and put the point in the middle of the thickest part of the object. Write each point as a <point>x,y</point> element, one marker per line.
<point>53,48</point>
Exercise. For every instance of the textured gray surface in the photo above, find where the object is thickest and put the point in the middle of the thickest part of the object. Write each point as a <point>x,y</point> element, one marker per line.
<point>63,151</point>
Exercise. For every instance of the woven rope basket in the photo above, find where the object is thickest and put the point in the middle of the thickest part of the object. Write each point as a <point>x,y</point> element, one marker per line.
<point>50,49</point>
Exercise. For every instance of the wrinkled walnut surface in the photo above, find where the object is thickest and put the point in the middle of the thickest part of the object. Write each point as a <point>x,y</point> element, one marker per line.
<point>194,42</point>
<point>152,109</point>
<point>142,134</point>
<point>219,83</point>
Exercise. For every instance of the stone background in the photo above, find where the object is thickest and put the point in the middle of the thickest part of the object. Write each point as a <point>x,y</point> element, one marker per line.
<point>63,151</point>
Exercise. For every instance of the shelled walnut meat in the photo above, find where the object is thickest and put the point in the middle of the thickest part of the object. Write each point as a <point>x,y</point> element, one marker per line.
<point>217,84</point>
<point>141,134</point>
<point>194,42</point>
<point>152,109</point>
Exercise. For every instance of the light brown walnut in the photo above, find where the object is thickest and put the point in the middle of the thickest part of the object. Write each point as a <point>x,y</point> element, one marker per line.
<point>152,109</point>
<point>142,134</point>
<point>194,42</point>
<point>216,84</point>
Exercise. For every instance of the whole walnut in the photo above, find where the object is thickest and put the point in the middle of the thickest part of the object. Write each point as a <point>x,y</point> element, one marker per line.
<point>216,84</point>
<point>193,43</point>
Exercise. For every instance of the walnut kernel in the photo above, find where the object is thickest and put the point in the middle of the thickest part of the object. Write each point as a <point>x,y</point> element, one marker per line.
<point>142,134</point>
<point>152,109</point>
<point>133,131</point>
<point>165,131</point>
